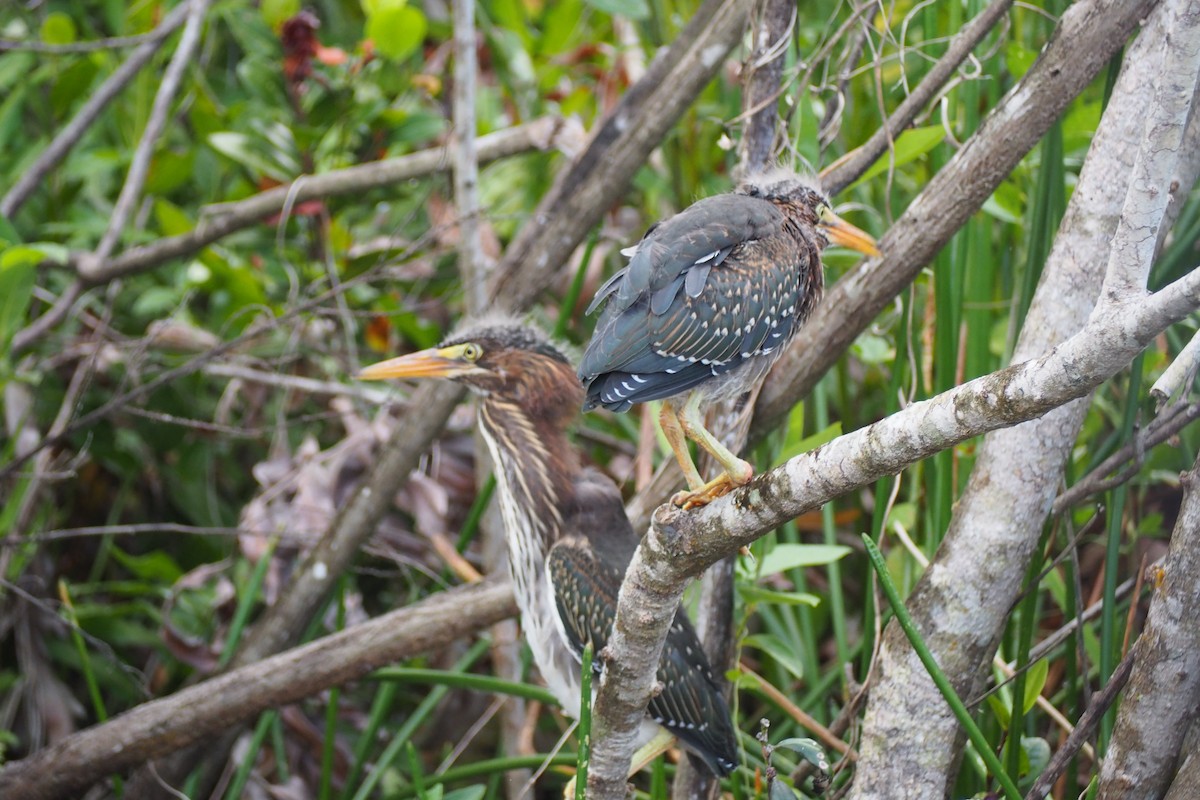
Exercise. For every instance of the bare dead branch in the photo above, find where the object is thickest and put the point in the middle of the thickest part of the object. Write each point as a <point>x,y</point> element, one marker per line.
<point>173,722</point>
<point>87,114</point>
<point>680,543</point>
<point>1003,509</point>
<point>1088,35</point>
<point>222,220</point>
<point>848,168</point>
<point>139,165</point>
<point>1084,728</point>
<point>1164,689</point>
<point>598,178</point>
<point>466,164</point>
<point>1158,431</point>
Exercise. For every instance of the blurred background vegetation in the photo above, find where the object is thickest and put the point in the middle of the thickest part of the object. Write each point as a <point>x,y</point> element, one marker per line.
<point>233,470</point>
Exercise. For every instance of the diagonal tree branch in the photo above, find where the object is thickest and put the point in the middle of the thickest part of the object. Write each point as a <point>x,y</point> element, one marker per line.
<point>1088,34</point>
<point>1017,471</point>
<point>682,543</point>
<point>167,724</point>
<point>596,180</point>
<point>88,112</point>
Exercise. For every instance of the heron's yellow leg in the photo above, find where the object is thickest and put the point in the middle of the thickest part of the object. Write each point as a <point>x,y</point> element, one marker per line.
<point>669,419</point>
<point>737,472</point>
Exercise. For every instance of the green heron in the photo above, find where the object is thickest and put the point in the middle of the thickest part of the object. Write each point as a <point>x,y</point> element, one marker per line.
<point>569,541</point>
<point>708,301</point>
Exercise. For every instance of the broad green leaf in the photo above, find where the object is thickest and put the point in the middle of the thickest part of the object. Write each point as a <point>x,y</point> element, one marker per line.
<point>757,594</point>
<point>633,9</point>
<point>17,274</point>
<point>396,28</point>
<point>277,12</point>
<point>776,649</point>
<point>791,556</point>
<point>1035,756</point>
<point>58,28</point>
<point>809,750</point>
<point>172,220</point>
<point>241,148</point>
<point>778,789</point>
<point>873,349</point>
<point>1035,681</point>
<point>999,708</point>
<point>910,145</point>
<point>155,566</point>
<point>475,792</point>
<point>155,302</point>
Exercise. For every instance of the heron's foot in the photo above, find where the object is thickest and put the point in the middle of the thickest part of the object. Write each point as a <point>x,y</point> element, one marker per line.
<point>719,486</point>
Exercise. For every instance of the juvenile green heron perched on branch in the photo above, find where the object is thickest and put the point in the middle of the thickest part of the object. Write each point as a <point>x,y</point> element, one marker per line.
<point>708,301</point>
<point>569,541</point>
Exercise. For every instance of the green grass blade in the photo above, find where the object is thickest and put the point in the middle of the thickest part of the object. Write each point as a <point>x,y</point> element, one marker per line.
<point>584,730</point>
<point>935,672</point>
<point>464,680</point>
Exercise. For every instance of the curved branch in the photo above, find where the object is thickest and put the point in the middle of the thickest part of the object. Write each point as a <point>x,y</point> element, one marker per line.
<point>683,543</point>
<point>1088,34</point>
<point>87,114</point>
<point>168,724</point>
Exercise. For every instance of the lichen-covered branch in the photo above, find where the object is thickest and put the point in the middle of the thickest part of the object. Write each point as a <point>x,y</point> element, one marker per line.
<point>683,543</point>
<point>1088,35</point>
<point>1017,472</point>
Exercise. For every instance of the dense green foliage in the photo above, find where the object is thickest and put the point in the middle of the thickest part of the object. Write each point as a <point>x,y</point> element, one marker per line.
<point>99,621</point>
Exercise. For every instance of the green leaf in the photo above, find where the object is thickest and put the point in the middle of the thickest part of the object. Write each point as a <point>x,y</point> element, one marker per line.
<point>277,12</point>
<point>475,792</point>
<point>17,275</point>
<point>58,28</point>
<point>155,302</point>
<point>634,9</point>
<point>1035,756</point>
<point>242,149</point>
<point>790,556</point>
<point>911,145</point>
<point>757,594</point>
<point>1035,681</point>
<point>172,220</point>
<point>774,647</point>
<point>396,28</point>
<point>155,566</point>
<point>809,750</point>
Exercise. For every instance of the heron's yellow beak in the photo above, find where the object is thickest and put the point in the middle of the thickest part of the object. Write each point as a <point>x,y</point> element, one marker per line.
<point>844,234</point>
<point>436,362</point>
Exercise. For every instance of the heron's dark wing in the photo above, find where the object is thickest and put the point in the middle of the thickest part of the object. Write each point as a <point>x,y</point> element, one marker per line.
<point>706,289</point>
<point>585,571</point>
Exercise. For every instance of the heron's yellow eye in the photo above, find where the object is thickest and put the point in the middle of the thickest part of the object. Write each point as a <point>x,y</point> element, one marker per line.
<point>472,352</point>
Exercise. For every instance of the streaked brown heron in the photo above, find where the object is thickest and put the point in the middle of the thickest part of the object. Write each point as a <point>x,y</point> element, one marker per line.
<point>569,541</point>
<point>708,301</point>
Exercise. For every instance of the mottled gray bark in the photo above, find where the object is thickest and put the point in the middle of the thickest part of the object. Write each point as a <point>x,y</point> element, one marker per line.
<point>1163,695</point>
<point>962,603</point>
<point>1088,35</point>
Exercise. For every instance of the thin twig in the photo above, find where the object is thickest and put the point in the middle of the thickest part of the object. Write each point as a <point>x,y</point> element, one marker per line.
<point>139,166</point>
<point>466,164</point>
<point>87,114</point>
<point>1160,429</point>
<point>162,726</point>
<point>1084,728</point>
